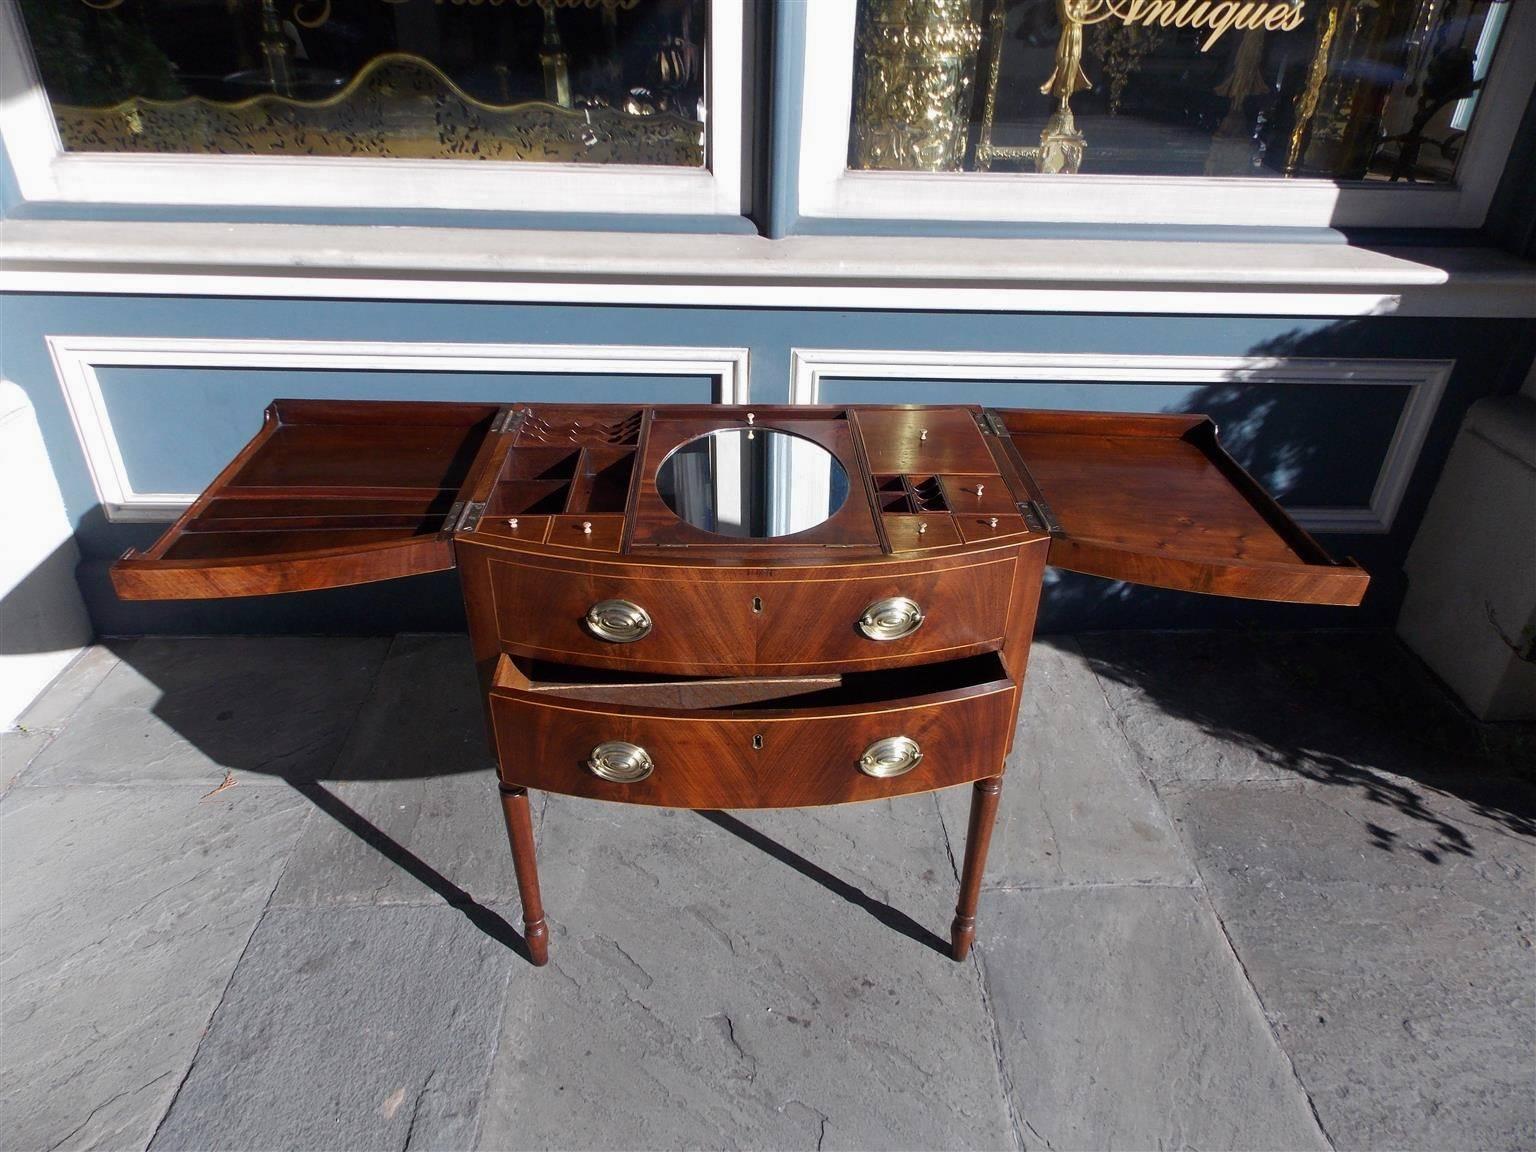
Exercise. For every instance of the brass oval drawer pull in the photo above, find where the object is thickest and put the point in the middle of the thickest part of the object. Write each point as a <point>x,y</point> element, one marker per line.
<point>893,756</point>
<point>891,618</point>
<point>619,621</point>
<point>620,761</point>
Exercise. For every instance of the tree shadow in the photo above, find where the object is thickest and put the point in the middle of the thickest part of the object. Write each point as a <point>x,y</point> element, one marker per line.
<point>1354,710</point>
<point>1303,688</point>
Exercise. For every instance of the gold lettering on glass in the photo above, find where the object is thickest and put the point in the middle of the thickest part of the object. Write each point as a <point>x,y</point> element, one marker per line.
<point>1372,90</point>
<point>1217,18</point>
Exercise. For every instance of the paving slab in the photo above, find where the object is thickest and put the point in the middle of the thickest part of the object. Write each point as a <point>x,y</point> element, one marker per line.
<point>770,979</point>
<point>123,912</point>
<point>1265,707</point>
<point>1391,941</point>
<point>1125,1022</point>
<point>1173,691</point>
<point>188,710</point>
<point>71,687</point>
<point>413,815</point>
<point>18,748</point>
<point>1075,807</point>
<point>348,1028</point>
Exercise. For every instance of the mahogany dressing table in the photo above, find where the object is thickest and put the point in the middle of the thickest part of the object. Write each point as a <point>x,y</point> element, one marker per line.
<point>729,607</point>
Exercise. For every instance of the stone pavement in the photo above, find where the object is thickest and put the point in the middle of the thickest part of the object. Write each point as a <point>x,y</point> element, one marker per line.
<point>1246,891</point>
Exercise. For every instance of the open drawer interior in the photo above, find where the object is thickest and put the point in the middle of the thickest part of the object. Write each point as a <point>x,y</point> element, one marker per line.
<point>642,692</point>
<point>328,493</point>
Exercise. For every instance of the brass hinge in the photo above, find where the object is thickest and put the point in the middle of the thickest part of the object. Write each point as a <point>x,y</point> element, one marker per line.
<point>991,423</point>
<point>503,420</point>
<point>1047,517</point>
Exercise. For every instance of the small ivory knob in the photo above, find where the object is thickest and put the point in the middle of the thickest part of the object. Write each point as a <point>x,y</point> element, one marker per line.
<point>586,527</point>
<point>980,488</point>
<point>992,523</point>
<point>921,528</point>
<point>923,435</point>
<point>512,523</point>
<point>751,419</point>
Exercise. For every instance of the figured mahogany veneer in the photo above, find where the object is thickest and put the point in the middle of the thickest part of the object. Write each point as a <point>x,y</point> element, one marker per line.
<point>744,744</point>
<point>329,493</point>
<point>627,655</point>
<point>735,621</point>
<point>1155,500</point>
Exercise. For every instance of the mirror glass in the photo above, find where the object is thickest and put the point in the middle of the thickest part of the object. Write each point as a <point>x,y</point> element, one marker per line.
<point>752,483</point>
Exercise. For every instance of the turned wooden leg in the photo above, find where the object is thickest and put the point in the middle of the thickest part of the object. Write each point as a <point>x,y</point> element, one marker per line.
<point>514,805</point>
<point>978,837</point>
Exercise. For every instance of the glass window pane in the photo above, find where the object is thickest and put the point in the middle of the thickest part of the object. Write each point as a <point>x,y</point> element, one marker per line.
<point>562,81</point>
<point>1359,90</point>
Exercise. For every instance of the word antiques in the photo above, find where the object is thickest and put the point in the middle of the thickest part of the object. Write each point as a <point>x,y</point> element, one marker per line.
<point>1219,16</point>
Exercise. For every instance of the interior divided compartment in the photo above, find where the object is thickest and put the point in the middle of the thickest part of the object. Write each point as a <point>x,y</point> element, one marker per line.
<point>549,480</point>
<point>534,481</point>
<point>927,494</point>
<point>747,693</point>
<point>910,494</point>
<point>602,481</point>
<point>892,495</point>
<point>330,474</point>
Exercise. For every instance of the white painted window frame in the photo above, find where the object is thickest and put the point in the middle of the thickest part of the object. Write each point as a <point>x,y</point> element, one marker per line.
<point>78,359</point>
<point>1425,381</point>
<point>47,173</point>
<point>828,189</point>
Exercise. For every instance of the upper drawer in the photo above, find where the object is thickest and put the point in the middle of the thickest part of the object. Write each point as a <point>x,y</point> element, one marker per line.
<point>725,621</point>
<point>1156,500</point>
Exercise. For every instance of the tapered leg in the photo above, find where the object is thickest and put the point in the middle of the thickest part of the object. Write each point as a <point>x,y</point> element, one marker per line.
<point>978,838</point>
<point>514,805</point>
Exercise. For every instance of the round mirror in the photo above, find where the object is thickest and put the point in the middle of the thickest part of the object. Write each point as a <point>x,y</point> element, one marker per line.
<point>752,483</point>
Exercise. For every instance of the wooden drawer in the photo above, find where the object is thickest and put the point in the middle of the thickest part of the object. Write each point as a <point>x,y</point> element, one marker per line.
<point>725,621</point>
<point>751,743</point>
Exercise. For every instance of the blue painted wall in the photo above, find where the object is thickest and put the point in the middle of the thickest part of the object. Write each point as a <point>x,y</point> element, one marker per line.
<point>1320,444</point>
<point>1316,445</point>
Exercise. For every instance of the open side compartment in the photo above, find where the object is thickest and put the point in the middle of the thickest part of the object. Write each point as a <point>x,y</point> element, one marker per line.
<point>329,493</point>
<point>1156,500</point>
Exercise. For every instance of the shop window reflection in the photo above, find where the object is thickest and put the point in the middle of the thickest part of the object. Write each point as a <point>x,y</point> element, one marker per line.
<point>559,81</point>
<point>1350,90</point>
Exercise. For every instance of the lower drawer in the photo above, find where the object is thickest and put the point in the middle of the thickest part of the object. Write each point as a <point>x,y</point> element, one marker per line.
<point>752,742</point>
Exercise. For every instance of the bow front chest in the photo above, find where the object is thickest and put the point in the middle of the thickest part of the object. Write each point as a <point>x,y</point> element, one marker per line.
<point>731,607</point>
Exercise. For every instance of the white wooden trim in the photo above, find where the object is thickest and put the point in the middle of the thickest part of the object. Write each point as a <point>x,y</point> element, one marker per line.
<point>77,359</point>
<point>828,189</point>
<point>955,274</point>
<point>1424,379</point>
<point>45,172</point>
